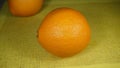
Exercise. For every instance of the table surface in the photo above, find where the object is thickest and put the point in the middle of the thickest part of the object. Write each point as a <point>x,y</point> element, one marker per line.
<point>19,47</point>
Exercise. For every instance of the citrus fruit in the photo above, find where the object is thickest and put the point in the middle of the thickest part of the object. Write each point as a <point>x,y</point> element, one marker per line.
<point>24,7</point>
<point>64,32</point>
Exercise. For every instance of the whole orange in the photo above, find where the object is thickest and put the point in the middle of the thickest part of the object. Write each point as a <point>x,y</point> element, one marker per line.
<point>24,7</point>
<point>64,32</point>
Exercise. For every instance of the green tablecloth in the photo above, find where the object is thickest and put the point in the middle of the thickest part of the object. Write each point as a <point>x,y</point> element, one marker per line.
<point>19,47</point>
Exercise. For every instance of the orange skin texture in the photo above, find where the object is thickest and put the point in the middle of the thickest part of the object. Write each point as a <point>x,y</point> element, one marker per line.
<point>64,32</point>
<point>25,7</point>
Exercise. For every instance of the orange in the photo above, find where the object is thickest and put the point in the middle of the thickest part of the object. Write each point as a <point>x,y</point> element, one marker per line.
<point>64,32</point>
<point>24,7</point>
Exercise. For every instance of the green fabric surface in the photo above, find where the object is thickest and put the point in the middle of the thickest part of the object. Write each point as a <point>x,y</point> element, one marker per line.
<point>19,47</point>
